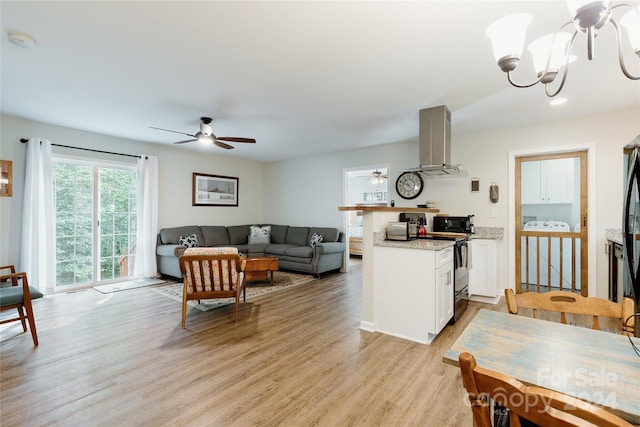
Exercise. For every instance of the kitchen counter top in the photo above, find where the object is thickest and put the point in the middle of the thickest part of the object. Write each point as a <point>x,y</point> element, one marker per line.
<point>422,244</point>
<point>377,208</point>
<point>614,235</point>
<point>489,233</point>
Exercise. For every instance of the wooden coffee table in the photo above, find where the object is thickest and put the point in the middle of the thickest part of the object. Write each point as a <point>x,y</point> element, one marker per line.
<point>258,268</point>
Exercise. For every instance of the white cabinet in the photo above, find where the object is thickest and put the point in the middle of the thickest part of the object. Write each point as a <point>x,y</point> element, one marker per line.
<point>483,275</point>
<point>444,288</point>
<point>412,292</point>
<point>547,181</point>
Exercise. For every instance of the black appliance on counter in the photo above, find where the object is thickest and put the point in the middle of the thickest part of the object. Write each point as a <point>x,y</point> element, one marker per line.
<point>458,229</point>
<point>453,224</point>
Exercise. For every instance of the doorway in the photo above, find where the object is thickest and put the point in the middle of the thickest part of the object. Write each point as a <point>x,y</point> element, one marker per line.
<point>551,222</point>
<point>96,218</point>
<point>366,185</point>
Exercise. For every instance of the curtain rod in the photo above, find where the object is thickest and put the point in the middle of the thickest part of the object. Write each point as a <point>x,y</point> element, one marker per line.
<point>24,141</point>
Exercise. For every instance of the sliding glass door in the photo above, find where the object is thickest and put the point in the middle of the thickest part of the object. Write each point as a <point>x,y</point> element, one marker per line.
<point>95,207</point>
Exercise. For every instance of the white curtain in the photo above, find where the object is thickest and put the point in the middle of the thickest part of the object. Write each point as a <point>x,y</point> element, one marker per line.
<point>147,217</point>
<point>37,255</point>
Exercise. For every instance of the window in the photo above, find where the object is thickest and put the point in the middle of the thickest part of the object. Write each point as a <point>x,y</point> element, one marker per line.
<point>95,206</point>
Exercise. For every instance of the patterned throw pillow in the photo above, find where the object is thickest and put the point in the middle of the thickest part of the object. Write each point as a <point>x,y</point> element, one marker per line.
<point>190,241</point>
<point>256,230</point>
<point>316,239</point>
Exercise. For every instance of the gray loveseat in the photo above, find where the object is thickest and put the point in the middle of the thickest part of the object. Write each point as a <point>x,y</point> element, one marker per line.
<point>292,246</point>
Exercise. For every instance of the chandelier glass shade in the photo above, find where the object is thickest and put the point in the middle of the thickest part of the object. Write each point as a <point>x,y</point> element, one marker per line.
<point>552,53</point>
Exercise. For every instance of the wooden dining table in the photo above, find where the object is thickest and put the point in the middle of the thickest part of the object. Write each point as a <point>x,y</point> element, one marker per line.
<point>596,366</point>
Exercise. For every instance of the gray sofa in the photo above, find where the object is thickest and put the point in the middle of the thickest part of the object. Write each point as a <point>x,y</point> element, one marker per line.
<point>290,244</point>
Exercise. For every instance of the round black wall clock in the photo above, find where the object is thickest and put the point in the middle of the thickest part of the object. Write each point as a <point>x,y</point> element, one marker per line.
<point>409,185</point>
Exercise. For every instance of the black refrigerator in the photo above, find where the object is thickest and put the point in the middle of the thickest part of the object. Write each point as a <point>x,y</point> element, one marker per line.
<point>631,225</point>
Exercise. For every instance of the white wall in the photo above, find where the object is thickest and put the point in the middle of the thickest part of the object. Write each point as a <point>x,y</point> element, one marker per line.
<point>308,191</point>
<point>176,165</point>
<point>316,183</point>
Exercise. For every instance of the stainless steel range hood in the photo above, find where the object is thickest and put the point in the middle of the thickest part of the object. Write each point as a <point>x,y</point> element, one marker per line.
<point>435,145</point>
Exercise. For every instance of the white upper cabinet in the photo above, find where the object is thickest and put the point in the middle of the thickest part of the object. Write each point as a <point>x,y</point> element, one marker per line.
<point>547,181</point>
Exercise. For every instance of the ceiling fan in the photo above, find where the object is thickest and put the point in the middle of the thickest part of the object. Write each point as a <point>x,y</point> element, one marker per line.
<point>376,177</point>
<point>206,135</point>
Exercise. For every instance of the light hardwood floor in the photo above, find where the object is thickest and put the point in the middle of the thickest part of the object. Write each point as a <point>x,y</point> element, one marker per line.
<point>296,358</point>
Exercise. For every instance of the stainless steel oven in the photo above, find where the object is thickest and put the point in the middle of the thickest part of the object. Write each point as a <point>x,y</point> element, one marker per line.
<point>460,278</point>
<point>460,270</point>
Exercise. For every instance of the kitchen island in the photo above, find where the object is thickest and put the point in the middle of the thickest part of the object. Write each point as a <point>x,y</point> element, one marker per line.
<point>406,286</point>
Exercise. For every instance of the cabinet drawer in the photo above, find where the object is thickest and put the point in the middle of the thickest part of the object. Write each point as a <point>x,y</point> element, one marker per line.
<point>444,257</point>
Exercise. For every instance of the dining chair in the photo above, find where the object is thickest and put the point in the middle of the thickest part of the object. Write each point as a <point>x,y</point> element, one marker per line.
<point>527,405</point>
<point>568,302</point>
<point>19,296</point>
<point>210,273</point>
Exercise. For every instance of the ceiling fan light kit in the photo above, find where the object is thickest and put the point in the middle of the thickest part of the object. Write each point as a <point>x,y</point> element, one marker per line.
<point>206,136</point>
<point>552,53</point>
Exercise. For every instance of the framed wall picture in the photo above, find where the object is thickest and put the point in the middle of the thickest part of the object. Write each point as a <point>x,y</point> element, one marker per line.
<point>214,190</point>
<point>6,178</point>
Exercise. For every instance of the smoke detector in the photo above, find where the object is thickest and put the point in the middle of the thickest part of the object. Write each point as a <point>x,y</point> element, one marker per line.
<point>22,40</point>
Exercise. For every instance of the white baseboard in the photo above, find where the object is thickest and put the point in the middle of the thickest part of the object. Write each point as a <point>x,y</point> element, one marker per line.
<point>367,326</point>
<point>486,300</point>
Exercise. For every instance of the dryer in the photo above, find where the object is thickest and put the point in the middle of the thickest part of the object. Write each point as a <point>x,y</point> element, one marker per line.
<point>567,255</point>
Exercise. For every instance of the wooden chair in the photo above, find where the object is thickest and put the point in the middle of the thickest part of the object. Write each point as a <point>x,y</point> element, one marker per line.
<point>19,296</point>
<point>535,404</point>
<point>211,273</point>
<point>569,302</point>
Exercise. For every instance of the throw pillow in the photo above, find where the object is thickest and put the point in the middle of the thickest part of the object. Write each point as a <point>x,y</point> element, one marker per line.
<point>259,240</point>
<point>316,239</point>
<point>190,241</point>
<point>256,230</point>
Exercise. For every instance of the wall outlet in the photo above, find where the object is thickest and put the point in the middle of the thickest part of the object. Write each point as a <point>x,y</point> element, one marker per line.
<point>494,213</point>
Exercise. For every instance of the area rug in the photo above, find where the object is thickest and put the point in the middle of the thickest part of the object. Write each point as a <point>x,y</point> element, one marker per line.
<point>281,280</point>
<point>129,284</point>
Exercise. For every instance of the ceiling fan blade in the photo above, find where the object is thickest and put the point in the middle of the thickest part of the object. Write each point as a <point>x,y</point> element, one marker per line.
<point>235,139</point>
<point>223,145</point>
<point>188,140</point>
<point>174,131</point>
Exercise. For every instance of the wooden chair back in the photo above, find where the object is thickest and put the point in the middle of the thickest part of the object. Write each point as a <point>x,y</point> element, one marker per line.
<point>19,296</point>
<point>568,302</point>
<point>538,405</point>
<point>210,276</point>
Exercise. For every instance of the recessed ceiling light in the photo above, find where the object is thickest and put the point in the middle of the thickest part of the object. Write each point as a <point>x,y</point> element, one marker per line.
<point>558,101</point>
<point>22,40</point>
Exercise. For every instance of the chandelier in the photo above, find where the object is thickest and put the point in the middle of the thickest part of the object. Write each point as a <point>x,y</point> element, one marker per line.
<point>552,53</point>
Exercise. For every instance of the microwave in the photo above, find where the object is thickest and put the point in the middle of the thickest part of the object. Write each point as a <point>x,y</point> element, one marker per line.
<point>401,231</point>
<point>453,224</point>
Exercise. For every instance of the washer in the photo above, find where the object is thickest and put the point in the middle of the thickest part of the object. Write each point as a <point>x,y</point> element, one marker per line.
<point>567,255</point>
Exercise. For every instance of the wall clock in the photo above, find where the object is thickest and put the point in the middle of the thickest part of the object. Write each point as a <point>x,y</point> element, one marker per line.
<point>409,185</point>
